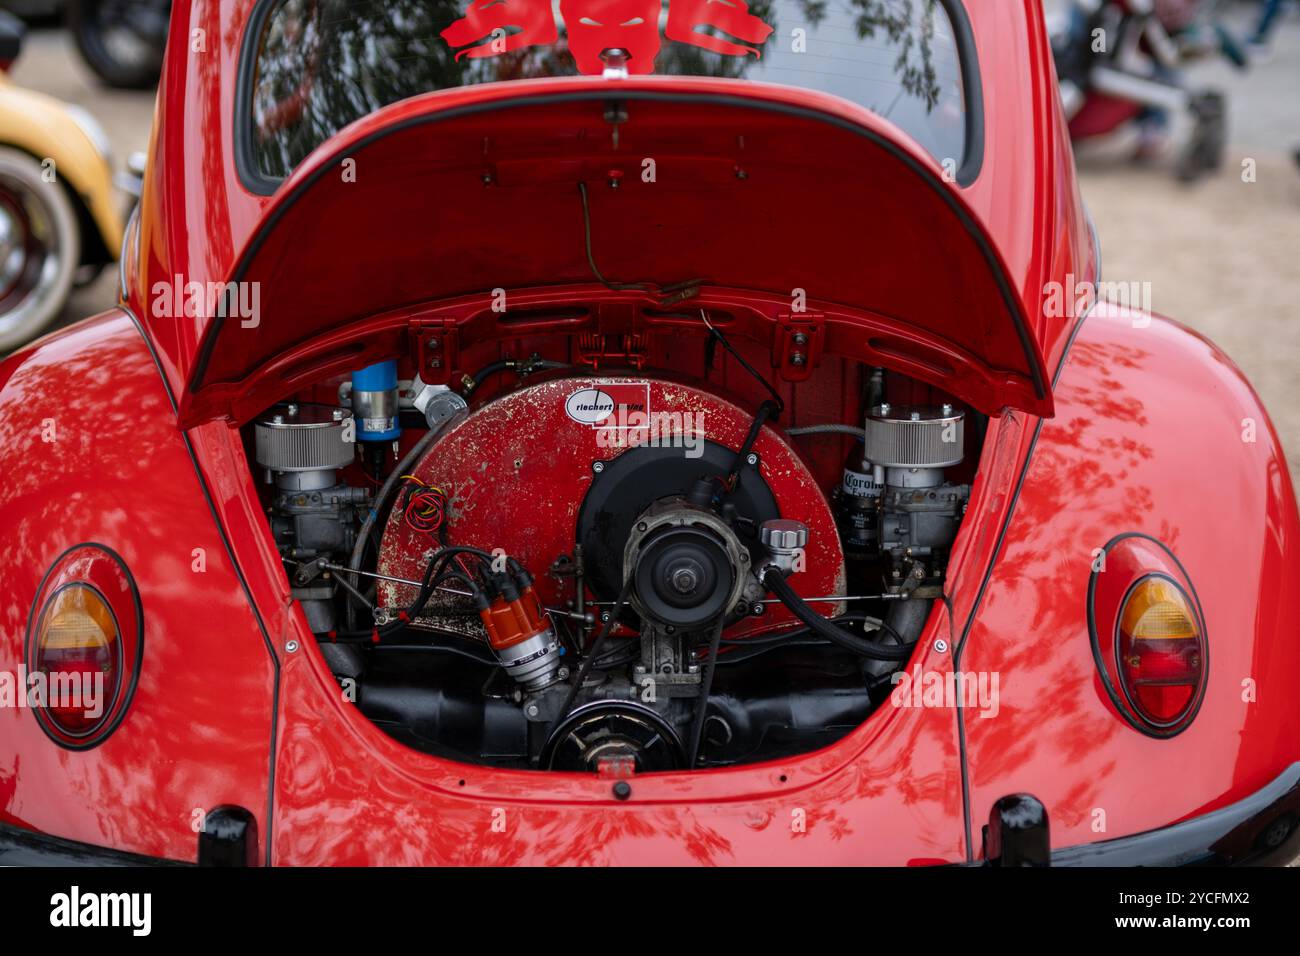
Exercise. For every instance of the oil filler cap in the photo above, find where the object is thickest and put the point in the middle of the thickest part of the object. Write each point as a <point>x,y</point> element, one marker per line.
<point>784,540</point>
<point>782,535</point>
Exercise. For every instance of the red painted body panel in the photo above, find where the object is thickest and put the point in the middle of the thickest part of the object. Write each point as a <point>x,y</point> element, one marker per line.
<point>1147,438</point>
<point>440,147</point>
<point>194,212</point>
<point>198,731</point>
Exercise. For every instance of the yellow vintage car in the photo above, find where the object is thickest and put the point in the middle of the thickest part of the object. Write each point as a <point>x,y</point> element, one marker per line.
<point>60,222</point>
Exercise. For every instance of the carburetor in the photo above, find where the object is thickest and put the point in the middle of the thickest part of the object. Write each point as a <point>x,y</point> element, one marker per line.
<point>916,510</point>
<point>313,514</point>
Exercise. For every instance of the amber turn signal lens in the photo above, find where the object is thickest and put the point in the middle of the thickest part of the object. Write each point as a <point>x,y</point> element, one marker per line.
<point>78,651</point>
<point>1161,651</point>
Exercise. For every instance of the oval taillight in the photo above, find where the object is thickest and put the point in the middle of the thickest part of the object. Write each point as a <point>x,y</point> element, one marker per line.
<point>1148,635</point>
<point>77,649</point>
<point>1160,651</point>
<point>84,646</point>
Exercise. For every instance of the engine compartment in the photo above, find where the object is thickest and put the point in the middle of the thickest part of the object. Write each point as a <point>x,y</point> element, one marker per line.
<point>616,561</point>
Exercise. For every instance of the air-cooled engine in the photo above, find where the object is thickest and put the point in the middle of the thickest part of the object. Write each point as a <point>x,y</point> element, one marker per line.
<point>609,573</point>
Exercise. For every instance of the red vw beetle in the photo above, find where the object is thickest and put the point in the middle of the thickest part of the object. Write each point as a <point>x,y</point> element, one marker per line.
<point>631,432</point>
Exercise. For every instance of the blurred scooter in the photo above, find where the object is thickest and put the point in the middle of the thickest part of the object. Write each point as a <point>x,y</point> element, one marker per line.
<point>1119,61</point>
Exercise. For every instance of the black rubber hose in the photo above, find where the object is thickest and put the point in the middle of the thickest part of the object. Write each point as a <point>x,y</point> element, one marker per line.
<point>506,365</point>
<point>777,584</point>
<point>766,412</point>
<point>487,371</point>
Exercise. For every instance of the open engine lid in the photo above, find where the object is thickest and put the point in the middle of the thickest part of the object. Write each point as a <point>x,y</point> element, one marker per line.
<point>742,186</point>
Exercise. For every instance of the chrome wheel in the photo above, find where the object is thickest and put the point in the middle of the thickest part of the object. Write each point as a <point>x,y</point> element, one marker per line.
<point>39,249</point>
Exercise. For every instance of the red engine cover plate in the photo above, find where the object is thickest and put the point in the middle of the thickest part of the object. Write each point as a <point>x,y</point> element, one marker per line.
<point>516,471</point>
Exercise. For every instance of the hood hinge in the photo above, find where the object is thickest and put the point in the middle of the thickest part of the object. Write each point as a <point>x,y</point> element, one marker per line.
<point>798,346</point>
<point>436,348</point>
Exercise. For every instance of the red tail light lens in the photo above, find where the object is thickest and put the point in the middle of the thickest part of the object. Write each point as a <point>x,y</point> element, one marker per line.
<point>79,652</point>
<point>1147,631</point>
<point>1160,651</point>
<point>84,646</point>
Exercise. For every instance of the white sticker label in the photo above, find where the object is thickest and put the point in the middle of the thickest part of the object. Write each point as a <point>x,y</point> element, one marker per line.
<point>589,406</point>
<point>611,405</point>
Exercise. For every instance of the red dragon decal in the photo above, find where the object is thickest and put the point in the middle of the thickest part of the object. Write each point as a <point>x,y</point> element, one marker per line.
<point>492,27</point>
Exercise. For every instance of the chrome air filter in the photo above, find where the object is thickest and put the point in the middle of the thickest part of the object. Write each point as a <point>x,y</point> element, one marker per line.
<point>915,436</point>
<point>307,437</point>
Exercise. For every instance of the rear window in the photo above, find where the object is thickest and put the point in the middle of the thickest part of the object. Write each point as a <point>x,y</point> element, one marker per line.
<point>321,64</point>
